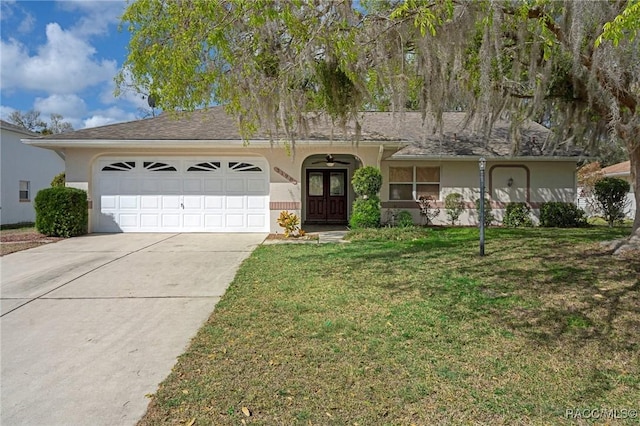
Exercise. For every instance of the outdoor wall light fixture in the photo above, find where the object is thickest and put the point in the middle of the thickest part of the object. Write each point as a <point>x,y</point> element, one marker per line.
<point>510,182</point>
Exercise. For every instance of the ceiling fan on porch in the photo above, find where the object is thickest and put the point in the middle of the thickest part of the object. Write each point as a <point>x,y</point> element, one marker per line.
<point>330,161</point>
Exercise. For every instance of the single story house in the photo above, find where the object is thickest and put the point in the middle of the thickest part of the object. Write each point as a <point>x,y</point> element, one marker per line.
<point>194,173</point>
<point>24,171</point>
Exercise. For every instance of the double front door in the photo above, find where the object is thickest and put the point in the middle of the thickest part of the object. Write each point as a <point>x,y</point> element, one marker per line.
<point>326,196</point>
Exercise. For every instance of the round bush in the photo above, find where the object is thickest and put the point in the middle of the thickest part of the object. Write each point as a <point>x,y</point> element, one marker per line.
<point>61,212</point>
<point>367,181</point>
<point>365,213</point>
<point>517,215</point>
<point>611,198</point>
<point>562,215</point>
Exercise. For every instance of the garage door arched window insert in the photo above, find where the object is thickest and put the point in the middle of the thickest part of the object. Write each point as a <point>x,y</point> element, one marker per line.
<point>121,166</point>
<point>154,166</point>
<point>244,167</point>
<point>209,166</point>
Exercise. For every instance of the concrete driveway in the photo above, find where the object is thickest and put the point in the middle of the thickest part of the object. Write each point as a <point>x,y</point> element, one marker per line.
<point>92,324</point>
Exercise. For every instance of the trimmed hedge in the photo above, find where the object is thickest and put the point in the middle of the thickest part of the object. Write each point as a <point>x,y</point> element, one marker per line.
<point>517,215</point>
<point>61,212</point>
<point>367,181</point>
<point>365,213</point>
<point>561,215</point>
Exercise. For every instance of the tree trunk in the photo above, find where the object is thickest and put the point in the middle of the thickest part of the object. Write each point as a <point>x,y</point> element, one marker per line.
<point>634,156</point>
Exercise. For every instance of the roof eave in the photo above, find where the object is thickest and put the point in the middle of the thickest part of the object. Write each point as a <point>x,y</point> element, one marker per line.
<point>176,143</point>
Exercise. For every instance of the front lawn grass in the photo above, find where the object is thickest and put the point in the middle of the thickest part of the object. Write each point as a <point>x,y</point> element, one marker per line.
<point>411,326</point>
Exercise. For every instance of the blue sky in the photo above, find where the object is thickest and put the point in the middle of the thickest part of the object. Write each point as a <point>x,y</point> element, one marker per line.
<point>61,57</point>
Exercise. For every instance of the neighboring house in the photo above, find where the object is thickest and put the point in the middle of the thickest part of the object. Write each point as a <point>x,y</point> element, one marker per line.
<point>195,173</point>
<point>623,171</point>
<point>25,170</point>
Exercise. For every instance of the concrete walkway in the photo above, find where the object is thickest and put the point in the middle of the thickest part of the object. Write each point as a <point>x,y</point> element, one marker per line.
<point>91,325</point>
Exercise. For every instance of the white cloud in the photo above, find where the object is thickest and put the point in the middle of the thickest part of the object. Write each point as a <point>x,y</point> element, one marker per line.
<point>5,112</point>
<point>63,65</point>
<point>98,15</point>
<point>27,24</point>
<point>108,116</point>
<point>69,106</point>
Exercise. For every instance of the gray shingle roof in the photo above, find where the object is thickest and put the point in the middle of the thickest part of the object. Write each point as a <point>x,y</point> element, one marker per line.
<point>213,124</point>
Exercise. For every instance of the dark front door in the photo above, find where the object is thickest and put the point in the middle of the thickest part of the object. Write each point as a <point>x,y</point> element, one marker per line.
<point>326,196</point>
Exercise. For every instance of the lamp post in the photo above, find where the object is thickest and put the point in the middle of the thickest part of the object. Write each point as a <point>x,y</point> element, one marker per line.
<point>482,163</point>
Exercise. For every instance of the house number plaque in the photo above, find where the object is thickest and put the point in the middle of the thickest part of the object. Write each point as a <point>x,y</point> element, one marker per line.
<point>285,175</point>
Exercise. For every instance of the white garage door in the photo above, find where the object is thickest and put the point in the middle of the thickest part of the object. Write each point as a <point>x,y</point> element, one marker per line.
<point>169,194</point>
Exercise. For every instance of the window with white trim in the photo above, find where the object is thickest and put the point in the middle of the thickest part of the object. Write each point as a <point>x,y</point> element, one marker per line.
<point>408,183</point>
<point>24,191</point>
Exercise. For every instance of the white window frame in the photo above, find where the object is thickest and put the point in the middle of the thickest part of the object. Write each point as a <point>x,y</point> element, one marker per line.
<point>24,186</point>
<point>414,183</point>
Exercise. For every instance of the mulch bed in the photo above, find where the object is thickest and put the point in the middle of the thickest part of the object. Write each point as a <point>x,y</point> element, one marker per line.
<point>12,241</point>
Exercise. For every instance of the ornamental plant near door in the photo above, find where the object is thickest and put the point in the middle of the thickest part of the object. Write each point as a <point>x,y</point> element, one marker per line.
<point>366,183</point>
<point>291,224</point>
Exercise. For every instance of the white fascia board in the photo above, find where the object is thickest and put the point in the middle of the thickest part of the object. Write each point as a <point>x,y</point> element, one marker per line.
<point>136,143</point>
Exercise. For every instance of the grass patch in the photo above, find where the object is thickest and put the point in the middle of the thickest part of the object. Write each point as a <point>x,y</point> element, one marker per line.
<point>412,326</point>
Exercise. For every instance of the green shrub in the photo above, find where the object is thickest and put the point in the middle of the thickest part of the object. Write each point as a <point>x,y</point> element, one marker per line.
<point>562,215</point>
<point>611,198</point>
<point>454,206</point>
<point>489,217</point>
<point>365,213</point>
<point>517,215</point>
<point>405,219</point>
<point>367,181</point>
<point>59,180</point>
<point>61,212</point>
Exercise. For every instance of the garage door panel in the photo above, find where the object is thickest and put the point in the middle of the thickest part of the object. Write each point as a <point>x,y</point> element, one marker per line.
<point>149,202</point>
<point>129,187</point>
<point>171,185</point>
<point>109,202</point>
<point>256,203</point>
<point>234,220</point>
<point>214,186</point>
<point>193,186</point>
<point>234,202</point>
<point>149,186</point>
<point>193,202</point>
<point>170,220</point>
<point>109,187</point>
<point>170,202</point>
<point>213,221</point>
<point>235,185</point>
<point>256,220</point>
<point>149,220</point>
<point>128,220</point>
<point>193,221</point>
<point>213,203</point>
<point>129,202</point>
<point>256,186</point>
<point>211,194</point>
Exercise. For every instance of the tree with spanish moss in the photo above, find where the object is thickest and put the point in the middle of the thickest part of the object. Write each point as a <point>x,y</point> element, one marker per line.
<point>573,65</point>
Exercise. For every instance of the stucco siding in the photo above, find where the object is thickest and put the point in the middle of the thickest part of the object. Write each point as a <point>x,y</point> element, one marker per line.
<point>505,181</point>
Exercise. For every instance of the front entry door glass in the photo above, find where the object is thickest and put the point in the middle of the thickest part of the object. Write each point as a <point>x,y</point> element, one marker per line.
<point>336,180</point>
<point>326,196</point>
